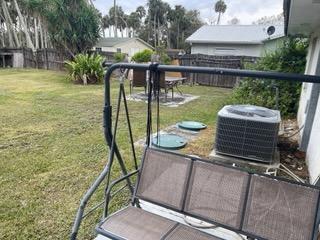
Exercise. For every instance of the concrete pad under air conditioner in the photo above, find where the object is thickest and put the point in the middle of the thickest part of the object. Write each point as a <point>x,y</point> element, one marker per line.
<point>245,163</point>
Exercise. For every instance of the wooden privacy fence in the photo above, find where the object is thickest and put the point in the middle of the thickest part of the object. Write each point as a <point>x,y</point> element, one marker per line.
<point>108,56</point>
<point>28,58</point>
<point>50,59</point>
<point>235,62</point>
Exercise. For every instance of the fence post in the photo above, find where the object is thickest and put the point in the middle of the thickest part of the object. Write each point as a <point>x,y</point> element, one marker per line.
<point>46,57</point>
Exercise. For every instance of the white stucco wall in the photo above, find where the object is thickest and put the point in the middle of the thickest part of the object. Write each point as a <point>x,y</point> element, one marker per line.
<point>312,59</point>
<point>130,47</point>
<point>313,152</point>
<point>313,149</point>
<point>18,60</point>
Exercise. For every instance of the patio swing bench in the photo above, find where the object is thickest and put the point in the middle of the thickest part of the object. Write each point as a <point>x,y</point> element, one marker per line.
<point>254,205</point>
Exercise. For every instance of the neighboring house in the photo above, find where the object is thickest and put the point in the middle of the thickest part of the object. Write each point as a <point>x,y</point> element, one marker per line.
<point>129,46</point>
<point>235,40</point>
<point>302,17</point>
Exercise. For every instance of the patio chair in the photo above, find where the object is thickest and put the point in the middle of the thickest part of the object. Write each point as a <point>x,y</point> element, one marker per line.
<point>166,86</point>
<point>255,205</point>
<point>138,79</point>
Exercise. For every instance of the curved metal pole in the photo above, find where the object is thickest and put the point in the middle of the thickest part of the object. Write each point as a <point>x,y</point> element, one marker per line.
<point>222,71</point>
<point>114,149</point>
<point>129,127</point>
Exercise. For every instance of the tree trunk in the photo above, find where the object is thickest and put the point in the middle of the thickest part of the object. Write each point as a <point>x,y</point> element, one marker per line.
<point>168,37</point>
<point>11,32</point>
<point>41,34</point>
<point>159,32</point>
<point>36,33</point>
<point>24,26</point>
<point>115,19</point>
<point>219,17</point>
<point>45,39</point>
<point>103,32</point>
<point>155,30</point>
<point>149,27</point>
<point>2,31</point>
<point>178,40</point>
<point>2,37</point>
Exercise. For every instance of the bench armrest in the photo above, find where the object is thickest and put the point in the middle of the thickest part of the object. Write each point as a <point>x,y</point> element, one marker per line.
<point>112,185</point>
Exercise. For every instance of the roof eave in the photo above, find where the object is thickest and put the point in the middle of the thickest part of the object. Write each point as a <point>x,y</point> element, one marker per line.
<point>224,42</point>
<point>273,38</point>
<point>144,42</point>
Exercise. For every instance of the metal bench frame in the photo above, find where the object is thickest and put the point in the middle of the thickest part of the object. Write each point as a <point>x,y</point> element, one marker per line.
<point>155,71</point>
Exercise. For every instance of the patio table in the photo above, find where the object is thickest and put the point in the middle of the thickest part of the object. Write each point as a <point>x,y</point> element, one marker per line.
<point>173,82</point>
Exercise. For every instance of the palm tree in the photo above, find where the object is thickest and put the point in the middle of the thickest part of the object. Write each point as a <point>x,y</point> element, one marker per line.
<point>115,18</point>
<point>141,12</point>
<point>134,23</point>
<point>12,34</point>
<point>106,24</point>
<point>24,26</point>
<point>220,8</point>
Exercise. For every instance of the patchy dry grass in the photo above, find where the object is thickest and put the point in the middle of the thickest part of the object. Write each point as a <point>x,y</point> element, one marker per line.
<point>202,145</point>
<point>52,147</point>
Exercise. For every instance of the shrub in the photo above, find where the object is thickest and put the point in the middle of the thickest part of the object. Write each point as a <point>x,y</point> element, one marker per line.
<point>86,69</point>
<point>289,58</point>
<point>142,56</point>
<point>164,58</point>
<point>119,57</point>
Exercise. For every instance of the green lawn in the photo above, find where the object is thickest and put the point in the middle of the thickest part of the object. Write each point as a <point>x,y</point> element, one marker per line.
<point>52,147</point>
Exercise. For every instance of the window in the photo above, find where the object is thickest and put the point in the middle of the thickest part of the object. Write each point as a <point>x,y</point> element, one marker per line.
<point>98,49</point>
<point>225,51</point>
<point>118,50</point>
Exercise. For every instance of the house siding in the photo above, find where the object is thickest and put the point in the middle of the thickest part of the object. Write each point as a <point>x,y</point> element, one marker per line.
<point>252,50</point>
<point>129,47</point>
<point>272,45</point>
<point>132,47</point>
<point>309,111</point>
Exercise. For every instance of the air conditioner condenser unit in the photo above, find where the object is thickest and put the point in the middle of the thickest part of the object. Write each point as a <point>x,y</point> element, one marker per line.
<point>249,132</point>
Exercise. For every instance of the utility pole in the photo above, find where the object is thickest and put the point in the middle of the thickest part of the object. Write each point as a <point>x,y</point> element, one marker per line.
<point>115,19</point>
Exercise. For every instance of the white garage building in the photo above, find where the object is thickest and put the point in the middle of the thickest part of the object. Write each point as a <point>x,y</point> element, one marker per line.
<point>130,46</point>
<point>235,40</point>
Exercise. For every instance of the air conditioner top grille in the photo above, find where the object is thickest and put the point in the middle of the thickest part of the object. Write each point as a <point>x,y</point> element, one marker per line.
<point>250,112</point>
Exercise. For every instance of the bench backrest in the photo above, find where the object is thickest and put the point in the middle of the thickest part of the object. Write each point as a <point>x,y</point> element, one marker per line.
<point>139,78</point>
<point>256,205</point>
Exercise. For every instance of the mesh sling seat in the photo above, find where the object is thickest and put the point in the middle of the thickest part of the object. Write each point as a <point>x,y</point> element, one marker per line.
<point>254,205</point>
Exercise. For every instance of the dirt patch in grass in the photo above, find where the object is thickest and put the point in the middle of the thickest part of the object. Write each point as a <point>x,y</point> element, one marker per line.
<point>290,155</point>
<point>202,145</point>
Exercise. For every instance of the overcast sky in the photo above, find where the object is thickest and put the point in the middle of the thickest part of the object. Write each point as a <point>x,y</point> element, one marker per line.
<point>246,10</point>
